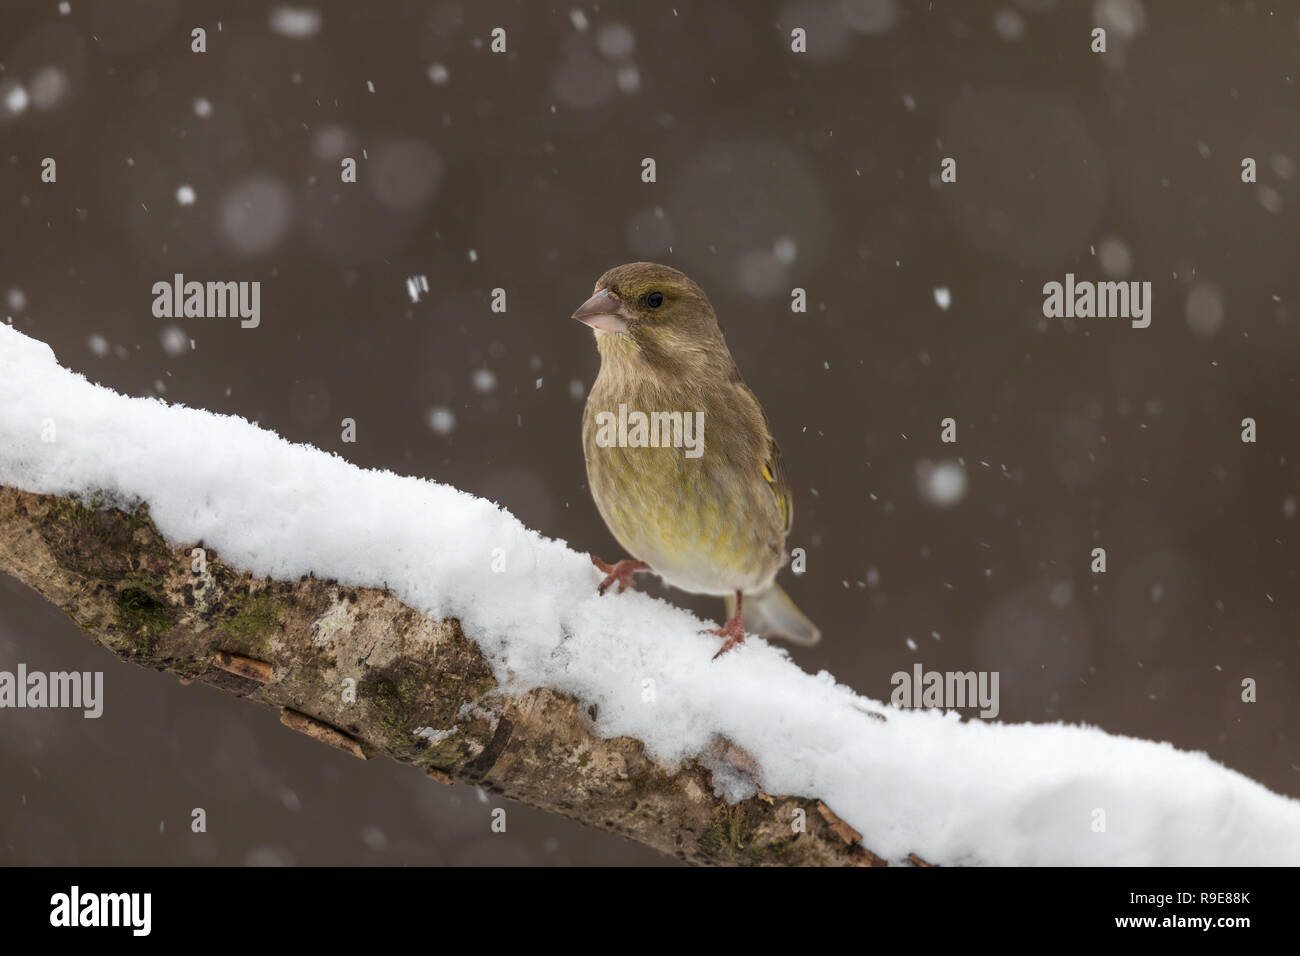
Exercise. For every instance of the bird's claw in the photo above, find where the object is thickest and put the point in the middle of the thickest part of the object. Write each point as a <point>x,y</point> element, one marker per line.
<point>733,631</point>
<point>619,573</point>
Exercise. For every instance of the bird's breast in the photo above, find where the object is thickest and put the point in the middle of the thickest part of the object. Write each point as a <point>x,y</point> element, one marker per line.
<point>681,492</point>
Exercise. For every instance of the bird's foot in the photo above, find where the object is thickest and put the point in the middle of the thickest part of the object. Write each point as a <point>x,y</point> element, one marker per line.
<point>733,631</point>
<point>619,573</point>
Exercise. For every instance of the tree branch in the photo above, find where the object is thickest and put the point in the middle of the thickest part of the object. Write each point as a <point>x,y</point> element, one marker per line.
<point>423,693</point>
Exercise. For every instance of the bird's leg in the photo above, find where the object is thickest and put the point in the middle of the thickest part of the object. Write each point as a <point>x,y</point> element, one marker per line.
<point>620,573</point>
<point>734,629</point>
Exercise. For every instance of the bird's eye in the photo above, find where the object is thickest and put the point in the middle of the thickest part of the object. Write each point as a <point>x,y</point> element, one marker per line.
<point>654,299</point>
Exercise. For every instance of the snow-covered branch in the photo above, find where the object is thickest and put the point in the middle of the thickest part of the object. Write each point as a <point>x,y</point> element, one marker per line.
<point>396,616</point>
<point>358,669</point>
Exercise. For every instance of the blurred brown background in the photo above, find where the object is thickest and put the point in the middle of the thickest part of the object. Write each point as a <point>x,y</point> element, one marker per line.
<point>775,170</point>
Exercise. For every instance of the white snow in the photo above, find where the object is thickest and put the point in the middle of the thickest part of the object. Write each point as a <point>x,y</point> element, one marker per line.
<point>49,87</point>
<point>442,420</point>
<point>616,41</point>
<point>174,341</point>
<point>296,22</point>
<point>15,98</point>
<point>951,791</point>
<point>942,484</point>
<point>415,285</point>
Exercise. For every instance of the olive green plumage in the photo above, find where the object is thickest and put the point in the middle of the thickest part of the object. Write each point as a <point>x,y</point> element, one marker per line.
<point>712,524</point>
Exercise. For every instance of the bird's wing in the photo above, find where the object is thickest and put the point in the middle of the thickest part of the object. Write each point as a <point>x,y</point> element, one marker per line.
<point>773,468</point>
<point>774,474</point>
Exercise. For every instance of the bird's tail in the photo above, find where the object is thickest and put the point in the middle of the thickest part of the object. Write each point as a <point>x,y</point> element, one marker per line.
<point>773,615</point>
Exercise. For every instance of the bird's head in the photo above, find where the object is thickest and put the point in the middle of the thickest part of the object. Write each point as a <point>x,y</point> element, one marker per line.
<point>653,311</point>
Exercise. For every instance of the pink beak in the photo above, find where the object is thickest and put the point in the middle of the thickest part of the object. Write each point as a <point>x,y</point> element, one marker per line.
<point>604,311</point>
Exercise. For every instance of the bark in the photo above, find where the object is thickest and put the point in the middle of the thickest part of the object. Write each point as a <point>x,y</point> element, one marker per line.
<point>300,645</point>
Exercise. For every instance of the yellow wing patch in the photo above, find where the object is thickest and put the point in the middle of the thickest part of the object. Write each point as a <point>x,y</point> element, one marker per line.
<point>774,475</point>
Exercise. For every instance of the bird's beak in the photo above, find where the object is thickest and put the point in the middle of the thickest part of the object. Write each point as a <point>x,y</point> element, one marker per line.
<point>604,311</point>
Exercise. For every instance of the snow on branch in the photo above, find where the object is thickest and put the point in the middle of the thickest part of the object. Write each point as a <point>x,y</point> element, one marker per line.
<point>397,616</point>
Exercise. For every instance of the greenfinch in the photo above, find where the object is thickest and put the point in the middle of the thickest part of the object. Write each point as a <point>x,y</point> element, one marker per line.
<point>680,457</point>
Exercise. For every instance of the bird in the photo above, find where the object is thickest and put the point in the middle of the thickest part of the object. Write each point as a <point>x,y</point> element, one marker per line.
<point>704,505</point>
